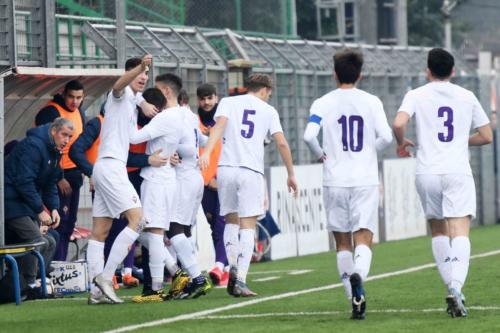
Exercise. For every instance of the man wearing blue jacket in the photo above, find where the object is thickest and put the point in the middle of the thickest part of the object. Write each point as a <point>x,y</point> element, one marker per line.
<point>31,174</point>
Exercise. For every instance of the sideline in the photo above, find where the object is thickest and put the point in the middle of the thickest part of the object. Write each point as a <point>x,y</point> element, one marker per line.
<point>196,315</point>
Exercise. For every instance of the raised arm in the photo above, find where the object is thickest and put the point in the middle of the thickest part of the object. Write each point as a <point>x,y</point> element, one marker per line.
<point>129,76</point>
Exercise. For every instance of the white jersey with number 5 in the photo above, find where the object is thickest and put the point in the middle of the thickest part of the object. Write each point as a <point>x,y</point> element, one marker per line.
<point>249,119</point>
<point>445,114</point>
<point>354,125</point>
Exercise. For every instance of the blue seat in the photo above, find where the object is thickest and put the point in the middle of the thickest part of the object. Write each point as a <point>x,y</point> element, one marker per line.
<point>10,252</point>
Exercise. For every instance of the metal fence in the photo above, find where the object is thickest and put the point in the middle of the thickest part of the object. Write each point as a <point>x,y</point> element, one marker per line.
<point>302,70</point>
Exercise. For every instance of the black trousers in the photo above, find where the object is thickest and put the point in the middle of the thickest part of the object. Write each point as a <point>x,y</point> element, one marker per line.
<point>25,230</point>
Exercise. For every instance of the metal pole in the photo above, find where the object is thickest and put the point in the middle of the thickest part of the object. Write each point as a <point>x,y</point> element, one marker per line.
<point>2,132</point>
<point>50,33</point>
<point>238,14</point>
<point>121,42</point>
<point>446,9</point>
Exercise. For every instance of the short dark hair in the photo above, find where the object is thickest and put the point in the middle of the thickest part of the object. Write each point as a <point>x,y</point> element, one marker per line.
<point>132,63</point>
<point>205,90</point>
<point>440,62</point>
<point>256,82</point>
<point>155,96</point>
<point>347,65</point>
<point>183,97</point>
<point>72,85</point>
<point>171,80</point>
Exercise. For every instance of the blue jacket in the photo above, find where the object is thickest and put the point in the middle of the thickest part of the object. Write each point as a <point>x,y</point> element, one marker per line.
<point>31,173</point>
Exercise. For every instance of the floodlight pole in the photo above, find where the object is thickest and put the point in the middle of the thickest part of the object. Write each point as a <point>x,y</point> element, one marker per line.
<point>121,32</point>
<point>446,9</point>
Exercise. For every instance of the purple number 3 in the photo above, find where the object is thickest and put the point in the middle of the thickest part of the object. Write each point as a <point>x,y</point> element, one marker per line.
<point>448,123</point>
<point>248,133</point>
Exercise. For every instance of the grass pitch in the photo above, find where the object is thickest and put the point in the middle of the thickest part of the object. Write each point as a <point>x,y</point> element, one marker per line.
<point>298,294</point>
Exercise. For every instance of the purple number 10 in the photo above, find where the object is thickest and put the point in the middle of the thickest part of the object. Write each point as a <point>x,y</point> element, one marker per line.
<point>448,123</point>
<point>348,129</point>
<point>247,134</point>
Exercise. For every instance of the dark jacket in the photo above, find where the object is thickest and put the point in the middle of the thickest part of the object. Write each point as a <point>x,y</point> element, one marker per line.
<point>47,114</point>
<point>31,173</point>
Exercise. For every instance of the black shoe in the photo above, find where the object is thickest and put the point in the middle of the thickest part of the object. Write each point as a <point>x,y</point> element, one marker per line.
<point>233,274</point>
<point>358,297</point>
<point>241,290</point>
<point>199,286</point>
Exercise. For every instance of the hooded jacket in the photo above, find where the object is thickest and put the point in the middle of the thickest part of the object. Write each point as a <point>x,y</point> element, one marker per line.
<point>31,174</point>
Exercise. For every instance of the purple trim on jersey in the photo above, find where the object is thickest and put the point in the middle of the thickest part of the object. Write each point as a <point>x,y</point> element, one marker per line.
<point>314,118</point>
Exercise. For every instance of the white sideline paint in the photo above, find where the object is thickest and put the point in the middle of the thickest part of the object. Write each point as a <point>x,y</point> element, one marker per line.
<point>329,313</point>
<point>300,272</point>
<point>270,278</point>
<point>289,271</point>
<point>204,313</point>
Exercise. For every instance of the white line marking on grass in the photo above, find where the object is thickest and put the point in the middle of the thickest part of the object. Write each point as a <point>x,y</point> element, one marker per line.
<point>288,271</point>
<point>266,279</point>
<point>198,314</point>
<point>329,313</point>
<point>299,272</point>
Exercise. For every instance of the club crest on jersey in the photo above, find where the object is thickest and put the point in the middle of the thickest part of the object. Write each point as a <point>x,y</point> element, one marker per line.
<point>134,199</point>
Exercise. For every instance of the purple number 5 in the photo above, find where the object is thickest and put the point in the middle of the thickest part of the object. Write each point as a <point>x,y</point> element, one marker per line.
<point>448,123</point>
<point>248,133</point>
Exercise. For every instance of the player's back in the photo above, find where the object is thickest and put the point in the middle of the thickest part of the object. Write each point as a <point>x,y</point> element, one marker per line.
<point>351,120</point>
<point>190,138</point>
<point>166,128</point>
<point>445,114</point>
<point>249,121</point>
<point>121,116</point>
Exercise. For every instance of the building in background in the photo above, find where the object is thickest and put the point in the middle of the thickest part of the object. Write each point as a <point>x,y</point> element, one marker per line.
<point>381,22</point>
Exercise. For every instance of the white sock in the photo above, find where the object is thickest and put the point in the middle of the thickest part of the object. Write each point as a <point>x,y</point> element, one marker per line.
<point>247,243</point>
<point>345,266</point>
<point>231,243</point>
<point>220,266</point>
<point>95,263</point>
<point>144,239</point>
<point>119,251</point>
<point>194,245</point>
<point>362,260</point>
<point>156,260</point>
<point>173,254</point>
<point>460,256</point>
<point>186,254</point>
<point>441,249</point>
<point>169,261</point>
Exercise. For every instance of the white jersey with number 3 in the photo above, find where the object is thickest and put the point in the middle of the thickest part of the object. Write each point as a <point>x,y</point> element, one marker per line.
<point>249,119</point>
<point>353,123</point>
<point>445,114</point>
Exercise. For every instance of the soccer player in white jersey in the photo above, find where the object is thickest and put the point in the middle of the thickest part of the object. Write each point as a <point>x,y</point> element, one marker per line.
<point>158,189</point>
<point>243,123</point>
<point>354,128</point>
<point>187,203</point>
<point>445,114</point>
<point>114,194</point>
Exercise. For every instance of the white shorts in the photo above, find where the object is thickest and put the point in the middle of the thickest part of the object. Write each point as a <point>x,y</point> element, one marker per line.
<point>158,202</point>
<point>349,209</point>
<point>188,198</point>
<point>241,191</point>
<point>447,195</point>
<point>114,194</point>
